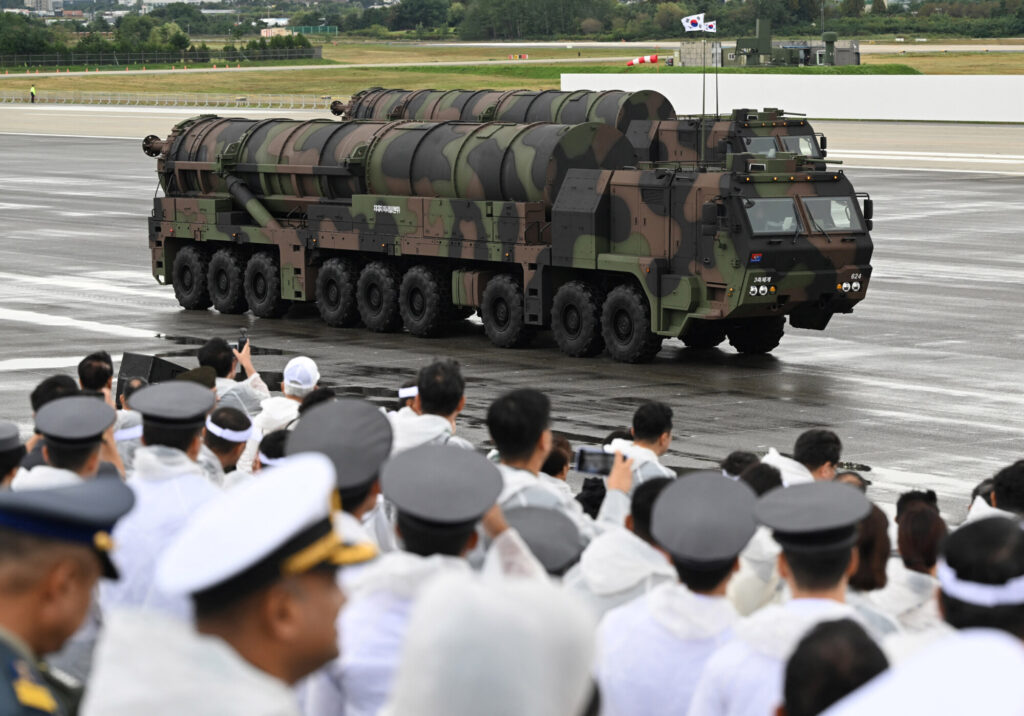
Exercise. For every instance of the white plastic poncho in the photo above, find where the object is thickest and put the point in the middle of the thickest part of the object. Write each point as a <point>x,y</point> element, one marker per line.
<point>409,430</point>
<point>793,472</point>
<point>744,677</point>
<point>616,568</point>
<point>152,665</point>
<point>653,650</point>
<point>501,647</point>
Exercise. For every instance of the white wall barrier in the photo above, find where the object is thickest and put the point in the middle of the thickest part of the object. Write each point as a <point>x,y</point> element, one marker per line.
<point>959,98</point>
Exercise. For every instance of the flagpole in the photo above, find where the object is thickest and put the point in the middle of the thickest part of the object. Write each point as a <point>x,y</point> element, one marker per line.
<point>703,110</point>
<point>716,76</point>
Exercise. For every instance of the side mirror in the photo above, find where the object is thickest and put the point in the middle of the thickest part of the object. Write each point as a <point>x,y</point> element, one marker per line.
<point>823,142</point>
<point>869,209</point>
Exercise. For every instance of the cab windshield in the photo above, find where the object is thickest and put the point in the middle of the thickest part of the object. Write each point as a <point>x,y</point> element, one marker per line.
<point>804,145</point>
<point>832,213</point>
<point>773,216</point>
<point>760,145</point>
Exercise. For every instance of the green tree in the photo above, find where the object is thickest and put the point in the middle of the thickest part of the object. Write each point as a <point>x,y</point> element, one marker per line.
<point>428,13</point>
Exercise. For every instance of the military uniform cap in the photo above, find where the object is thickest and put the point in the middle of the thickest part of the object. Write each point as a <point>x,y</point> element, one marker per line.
<point>704,518</point>
<point>81,514</point>
<point>551,536</point>
<point>175,403</point>
<point>353,433</point>
<point>441,484</point>
<point>204,375</point>
<point>259,532</point>
<point>74,421</point>
<point>10,438</point>
<point>813,516</point>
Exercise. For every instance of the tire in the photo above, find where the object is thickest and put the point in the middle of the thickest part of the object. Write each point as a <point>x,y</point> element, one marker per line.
<point>225,281</point>
<point>188,276</point>
<point>576,319</point>
<point>626,326</point>
<point>423,302</point>
<point>703,335</point>
<point>377,297</point>
<point>263,286</point>
<point>503,314</point>
<point>756,335</point>
<point>336,293</point>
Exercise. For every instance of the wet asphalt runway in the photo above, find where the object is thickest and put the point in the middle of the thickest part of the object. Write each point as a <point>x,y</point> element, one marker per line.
<point>923,382</point>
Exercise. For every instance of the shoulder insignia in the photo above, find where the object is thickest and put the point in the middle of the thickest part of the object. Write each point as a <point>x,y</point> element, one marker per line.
<point>29,691</point>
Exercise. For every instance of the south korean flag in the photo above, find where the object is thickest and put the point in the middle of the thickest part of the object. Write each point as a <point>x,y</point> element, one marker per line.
<point>693,23</point>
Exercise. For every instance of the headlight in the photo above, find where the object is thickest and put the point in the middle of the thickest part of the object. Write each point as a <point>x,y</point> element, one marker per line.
<point>753,290</point>
<point>855,286</point>
<point>763,290</point>
<point>846,287</point>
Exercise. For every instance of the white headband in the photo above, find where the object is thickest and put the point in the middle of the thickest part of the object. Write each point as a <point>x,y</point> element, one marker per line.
<point>411,392</point>
<point>124,434</point>
<point>235,436</point>
<point>269,461</point>
<point>978,594</point>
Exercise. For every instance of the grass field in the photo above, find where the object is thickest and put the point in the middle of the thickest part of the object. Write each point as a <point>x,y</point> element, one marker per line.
<point>955,63</point>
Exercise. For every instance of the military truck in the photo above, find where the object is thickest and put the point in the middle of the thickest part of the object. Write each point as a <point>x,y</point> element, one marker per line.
<point>535,226</point>
<point>646,117</point>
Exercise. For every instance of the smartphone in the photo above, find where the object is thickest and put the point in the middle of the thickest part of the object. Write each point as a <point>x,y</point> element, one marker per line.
<point>593,461</point>
<point>242,339</point>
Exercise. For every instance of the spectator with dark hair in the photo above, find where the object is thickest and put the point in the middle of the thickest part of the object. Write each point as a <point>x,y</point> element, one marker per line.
<point>440,397</point>
<point>56,386</point>
<point>983,502</point>
<point>816,525</point>
<point>12,450</point>
<point>559,460</point>
<point>96,372</point>
<point>620,565</point>
<point>736,462</point>
<point>853,479</point>
<point>815,457</point>
<point>914,498</point>
<point>653,649</point>
<point>169,487</point>
<point>318,396</point>
<point>224,437</point>
<point>873,548</point>
<point>128,428</point>
<point>910,596</point>
<point>1008,489</point>
<point>440,494</point>
<point>520,426</point>
<point>218,354</point>
<point>761,478</point>
<point>651,437</point>
<point>831,661</point>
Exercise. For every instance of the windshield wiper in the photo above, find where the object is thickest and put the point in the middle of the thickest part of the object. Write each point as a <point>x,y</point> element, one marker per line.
<point>819,227</point>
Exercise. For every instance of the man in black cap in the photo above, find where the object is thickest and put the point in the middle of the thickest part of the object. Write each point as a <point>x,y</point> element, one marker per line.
<point>259,567</point>
<point>356,436</point>
<point>74,430</point>
<point>441,494</point>
<point>12,451</point>
<point>653,649</point>
<point>53,549</point>
<point>816,525</point>
<point>169,487</point>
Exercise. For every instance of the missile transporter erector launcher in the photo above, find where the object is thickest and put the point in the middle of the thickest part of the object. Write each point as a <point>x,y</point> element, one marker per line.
<point>646,117</point>
<point>416,224</point>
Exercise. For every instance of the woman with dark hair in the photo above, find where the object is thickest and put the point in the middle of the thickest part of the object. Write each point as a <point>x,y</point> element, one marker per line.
<point>873,547</point>
<point>910,596</point>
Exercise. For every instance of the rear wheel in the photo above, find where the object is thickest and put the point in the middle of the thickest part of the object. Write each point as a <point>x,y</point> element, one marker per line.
<point>423,300</point>
<point>377,297</point>
<point>263,286</point>
<point>626,326</point>
<point>188,276</point>
<point>576,319</point>
<point>702,335</point>
<point>225,280</point>
<point>336,292</point>
<point>504,318</point>
<point>756,335</point>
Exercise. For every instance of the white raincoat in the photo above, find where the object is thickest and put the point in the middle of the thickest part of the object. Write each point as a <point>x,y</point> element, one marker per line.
<point>793,472</point>
<point>42,477</point>
<point>757,583</point>
<point>248,394</point>
<point>909,597</point>
<point>148,664</point>
<point>169,488</point>
<point>646,464</point>
<point>616,568</point>
<point>652,651</point>
<point>278,413</point>
<point>744,677</point>
<point>409,430</point>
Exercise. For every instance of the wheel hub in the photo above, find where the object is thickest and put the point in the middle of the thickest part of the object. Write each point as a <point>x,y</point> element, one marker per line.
<point>501,313</point>
<point>222,281</point>
<point>374,298</point>
<point>623,326</point>
<point>417,302</point>
<point>333,293</point>
<point>572,321</point>
<point>259,286</point>
<point>187,279</point>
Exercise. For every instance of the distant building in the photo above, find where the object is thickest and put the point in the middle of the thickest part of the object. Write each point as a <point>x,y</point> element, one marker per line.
<point>274,21</point>
<point>275,32</point>
<point>47,7</point>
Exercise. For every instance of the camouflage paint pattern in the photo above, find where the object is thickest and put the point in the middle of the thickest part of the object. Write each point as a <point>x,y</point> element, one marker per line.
<point>545,203</point>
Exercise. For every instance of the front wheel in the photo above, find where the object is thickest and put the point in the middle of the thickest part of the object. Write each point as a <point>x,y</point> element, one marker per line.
<point>756,335</point>
<point>504,317</point>
<point>336,293</point>
<point>263,286</point>
<point>188,276</point>
<point>576,319</point>
<point>423,300</point>
<point>626,326</point>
